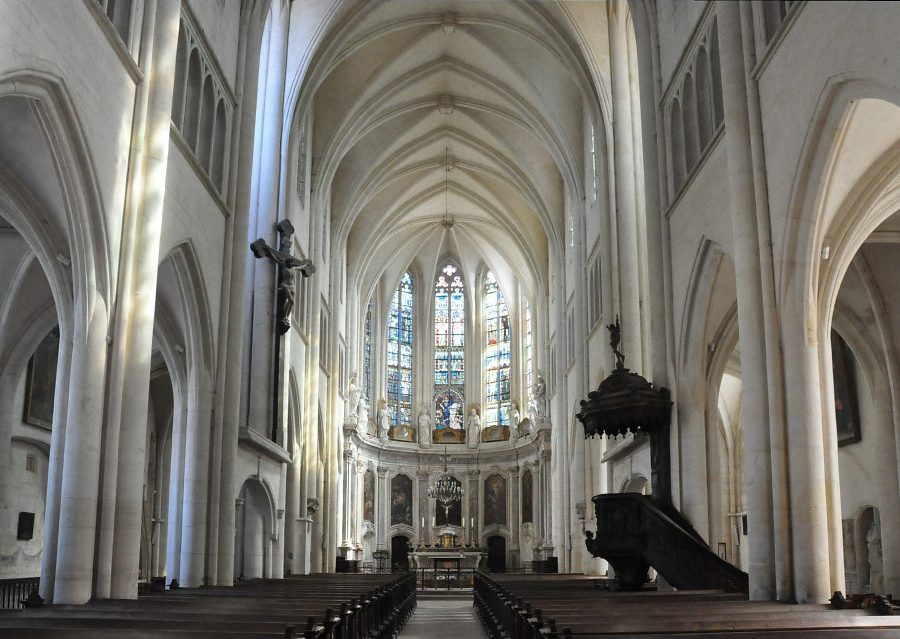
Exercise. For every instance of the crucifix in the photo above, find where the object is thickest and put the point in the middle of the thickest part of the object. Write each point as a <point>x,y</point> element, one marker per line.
<point>285,265</point>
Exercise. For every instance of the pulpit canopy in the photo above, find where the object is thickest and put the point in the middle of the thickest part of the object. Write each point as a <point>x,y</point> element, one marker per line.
<point>624,402</point>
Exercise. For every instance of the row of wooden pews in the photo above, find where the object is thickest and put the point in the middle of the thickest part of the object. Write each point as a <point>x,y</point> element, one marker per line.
<point>308,607</point>
<point>561,606</point>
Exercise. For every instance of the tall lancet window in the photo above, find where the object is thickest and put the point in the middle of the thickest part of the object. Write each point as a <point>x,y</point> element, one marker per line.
<point>449,348</point>
<point>529,350</point>
<point>399,354</point>
<point>367,356</point>
<point>496,354</point>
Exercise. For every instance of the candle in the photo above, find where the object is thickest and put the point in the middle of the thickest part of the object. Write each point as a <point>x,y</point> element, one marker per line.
<point>472,522</point>
<point>423,522</point>
<point>432,521</point>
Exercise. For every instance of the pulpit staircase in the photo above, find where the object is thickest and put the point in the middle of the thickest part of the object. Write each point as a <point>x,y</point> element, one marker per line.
<point>636,531</point>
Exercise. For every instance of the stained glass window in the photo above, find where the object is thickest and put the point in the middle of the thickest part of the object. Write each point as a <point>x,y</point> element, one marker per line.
<point>529,351</point>
<point>399,354</point>
<point>367,356</point>
<point>449,348</point>
<point>496,353</point>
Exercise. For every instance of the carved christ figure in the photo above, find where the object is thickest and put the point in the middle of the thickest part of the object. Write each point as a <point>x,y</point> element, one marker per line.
<point>285,263</point>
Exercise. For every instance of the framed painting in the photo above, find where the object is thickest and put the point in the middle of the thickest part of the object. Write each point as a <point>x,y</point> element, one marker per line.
<point>401,500</point>
<point>846,408</point>
<point>369,496</point>
<point>40,382</point>
<point>495,500</point>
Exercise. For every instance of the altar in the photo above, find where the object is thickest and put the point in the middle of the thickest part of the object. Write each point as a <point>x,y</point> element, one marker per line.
<point>456,559</point>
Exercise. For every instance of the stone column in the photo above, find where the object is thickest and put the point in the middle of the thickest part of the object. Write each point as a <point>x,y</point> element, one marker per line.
<point>381,508</point>
<point>196,484</point>
<point>754,404</point>
<point>176,483</point>
<point>424,532</point>
<point>81,457</point>
<point>134,323</point>
<point>347,513</point>
<point>474,477</point>
<point>264,210</point>
<point>231,334</point>
<point>515,516</point>
<point>546,513</point>
<point>54,476</point>
<point>625,189</point>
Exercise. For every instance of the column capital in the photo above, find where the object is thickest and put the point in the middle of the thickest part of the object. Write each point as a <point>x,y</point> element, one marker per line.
<point>382,471</point>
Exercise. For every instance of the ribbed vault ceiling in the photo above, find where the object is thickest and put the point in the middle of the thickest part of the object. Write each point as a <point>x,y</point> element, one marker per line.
<point>476,108</point>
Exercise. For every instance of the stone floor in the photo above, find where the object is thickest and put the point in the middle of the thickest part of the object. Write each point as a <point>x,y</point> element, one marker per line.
<point>444,616</point>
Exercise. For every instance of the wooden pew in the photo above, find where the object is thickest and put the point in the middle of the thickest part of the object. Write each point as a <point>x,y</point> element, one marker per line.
<point>555,606</point>
<point>311,607</point>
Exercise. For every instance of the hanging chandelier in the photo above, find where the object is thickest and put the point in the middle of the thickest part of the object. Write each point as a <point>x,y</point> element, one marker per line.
<point>446,490</point>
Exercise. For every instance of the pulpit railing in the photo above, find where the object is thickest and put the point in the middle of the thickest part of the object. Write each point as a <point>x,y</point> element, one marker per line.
<point>14,591</point>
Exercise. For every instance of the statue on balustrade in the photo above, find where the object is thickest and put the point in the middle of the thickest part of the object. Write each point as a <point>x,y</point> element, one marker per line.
<point>384,420</point>
<point>424,426</point>
<point>473,428</point>
<point>353,397</point>
<point>514,417</point>
<point>537,407</point>
<point>362,422</point>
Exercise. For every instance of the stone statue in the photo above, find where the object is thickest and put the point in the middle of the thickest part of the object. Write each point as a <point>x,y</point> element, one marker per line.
<point>473,428</point>
<point>537,408</point>
<point>514,417</point>
<point>526,543</point>
<point>285,264</point>
<point>424,425</point>
<point>615,336</point>
<point>353,396</point>
<point>384,421</point>
<point>362,424</point>
<point>876,564</point>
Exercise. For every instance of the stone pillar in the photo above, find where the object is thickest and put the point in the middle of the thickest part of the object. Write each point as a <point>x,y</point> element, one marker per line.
<point>546,513</point>
<point>347,514</point>
<point>239,530</point>
<point>231,335</point>
<point>754,404</point>
<point>424,531</point>
<point>81,457</point>
<point>382,506</point>
<point>196,470</point>
<point>265,212</point>
<point>515,516</point>
<point>625,189</point>
<point>474,477</point>
<point>176,485</point>
<point>54,476</point>
<point>134,323</point>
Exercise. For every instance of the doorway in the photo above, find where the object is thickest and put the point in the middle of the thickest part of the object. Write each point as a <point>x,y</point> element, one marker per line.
<point>496,553</point>
<point>399,553</point>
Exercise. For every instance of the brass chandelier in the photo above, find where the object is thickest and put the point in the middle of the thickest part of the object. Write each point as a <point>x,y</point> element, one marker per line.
<point>446,490</point>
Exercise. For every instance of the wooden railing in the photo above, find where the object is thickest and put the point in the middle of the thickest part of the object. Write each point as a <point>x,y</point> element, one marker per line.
<point>13,591</point>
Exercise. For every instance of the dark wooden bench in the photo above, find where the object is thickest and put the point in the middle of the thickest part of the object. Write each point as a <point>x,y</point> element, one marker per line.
<point>311,607</point>
<point>560,606</point>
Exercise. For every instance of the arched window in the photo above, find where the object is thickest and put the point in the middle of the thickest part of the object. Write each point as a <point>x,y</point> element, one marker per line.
<point>399,353</point>
<point>449,347</point>
<point>496,353</point>
<point>367,356</point>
